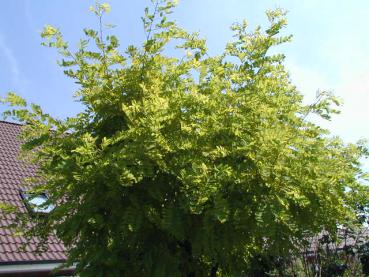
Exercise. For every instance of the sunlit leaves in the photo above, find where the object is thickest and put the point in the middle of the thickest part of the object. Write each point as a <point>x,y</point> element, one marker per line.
<point>186,163</point>
<point>14,100</point>
<point>49,32</point>
<point>99,9</point>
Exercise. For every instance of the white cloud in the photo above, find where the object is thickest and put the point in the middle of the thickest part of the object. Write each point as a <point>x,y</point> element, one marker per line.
<point>307,81</point>
<point>11,60</point>
<point>353,89</point>
<point>353,121</point>
<point>27,8</point>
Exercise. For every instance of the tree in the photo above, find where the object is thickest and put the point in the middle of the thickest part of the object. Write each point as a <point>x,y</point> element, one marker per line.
<point>185,165</point>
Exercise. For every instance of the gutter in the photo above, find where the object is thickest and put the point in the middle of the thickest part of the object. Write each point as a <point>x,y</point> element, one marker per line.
<point>35,270</point>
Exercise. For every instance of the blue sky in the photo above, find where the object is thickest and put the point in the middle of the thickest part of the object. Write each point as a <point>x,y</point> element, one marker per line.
<point>329,50</point>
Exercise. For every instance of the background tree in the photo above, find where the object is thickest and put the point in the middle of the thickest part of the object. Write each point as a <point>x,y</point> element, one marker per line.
<point>185,164</point>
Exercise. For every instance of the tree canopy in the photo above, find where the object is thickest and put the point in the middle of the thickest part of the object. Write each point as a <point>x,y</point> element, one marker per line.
<point>182,163</point>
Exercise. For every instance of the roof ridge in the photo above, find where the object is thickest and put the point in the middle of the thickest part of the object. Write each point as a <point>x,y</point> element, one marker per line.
<point>11,123</point>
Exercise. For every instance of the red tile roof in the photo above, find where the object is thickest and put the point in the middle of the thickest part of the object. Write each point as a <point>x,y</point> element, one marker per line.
<point>12,172</point>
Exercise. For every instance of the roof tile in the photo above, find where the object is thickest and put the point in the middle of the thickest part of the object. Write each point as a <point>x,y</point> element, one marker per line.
<point>12,173</point>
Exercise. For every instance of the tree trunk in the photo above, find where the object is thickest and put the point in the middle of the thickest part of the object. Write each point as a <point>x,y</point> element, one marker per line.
<point>214,269</point>
<point>187,266</point>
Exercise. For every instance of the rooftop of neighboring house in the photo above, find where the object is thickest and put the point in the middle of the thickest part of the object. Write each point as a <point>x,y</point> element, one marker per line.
<point>12,174</point>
